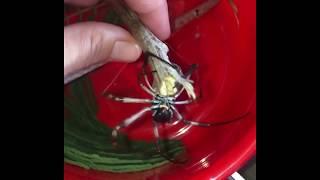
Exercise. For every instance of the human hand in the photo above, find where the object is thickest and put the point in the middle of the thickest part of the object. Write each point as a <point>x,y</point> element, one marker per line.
<point>89,45</point>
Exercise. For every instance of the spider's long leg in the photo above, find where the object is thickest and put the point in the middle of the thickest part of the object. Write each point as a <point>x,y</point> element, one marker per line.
<point>174,66</point>
<point>149,90</point>
<point>202,124</point>
<point>147,82</point>
<point>179,93</point>
<point>182,102</point>
<point>157,136</point>
<point>160,59</point>
<point>178,115</point>
<point>187,75</point>
<point>143,72</point>
<point>128,121</point>
<point>129,99</point>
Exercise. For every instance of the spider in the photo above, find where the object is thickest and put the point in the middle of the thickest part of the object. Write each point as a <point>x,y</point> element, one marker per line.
<point>162,105</point>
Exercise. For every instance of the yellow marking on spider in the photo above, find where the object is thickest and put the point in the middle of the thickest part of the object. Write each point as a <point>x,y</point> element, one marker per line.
<point>167,87</point>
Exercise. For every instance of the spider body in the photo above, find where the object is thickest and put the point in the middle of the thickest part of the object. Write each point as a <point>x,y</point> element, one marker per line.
<point>162,105</point>
<point>163,113</point>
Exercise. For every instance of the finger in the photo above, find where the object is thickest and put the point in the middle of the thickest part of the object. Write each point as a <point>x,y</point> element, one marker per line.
<point>91,43</point>
<point>154,14</point>
<point>81,2</point>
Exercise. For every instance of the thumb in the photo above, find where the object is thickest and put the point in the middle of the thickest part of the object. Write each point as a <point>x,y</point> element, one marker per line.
<point>92,44</point>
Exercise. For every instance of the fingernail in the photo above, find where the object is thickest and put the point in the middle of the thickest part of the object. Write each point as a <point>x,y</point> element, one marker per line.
<point>125,51</point>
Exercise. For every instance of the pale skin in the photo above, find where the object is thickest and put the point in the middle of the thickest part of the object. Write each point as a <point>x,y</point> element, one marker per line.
<point>90,43</point>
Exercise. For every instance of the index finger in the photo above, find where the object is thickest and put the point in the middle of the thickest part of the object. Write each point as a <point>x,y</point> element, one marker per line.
<point>154,14</point>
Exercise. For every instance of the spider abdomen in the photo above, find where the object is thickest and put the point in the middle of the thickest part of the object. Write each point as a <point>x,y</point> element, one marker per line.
<point>163,115</point>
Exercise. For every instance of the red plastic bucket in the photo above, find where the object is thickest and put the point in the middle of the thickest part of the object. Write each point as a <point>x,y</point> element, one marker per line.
<point>223,43</point>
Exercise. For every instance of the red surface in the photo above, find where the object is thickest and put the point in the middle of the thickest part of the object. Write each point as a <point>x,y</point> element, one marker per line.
<point>224,46</point>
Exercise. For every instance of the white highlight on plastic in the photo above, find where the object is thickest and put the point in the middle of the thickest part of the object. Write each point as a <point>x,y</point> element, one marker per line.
<point>237,176</point>
<point>234,176</point>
